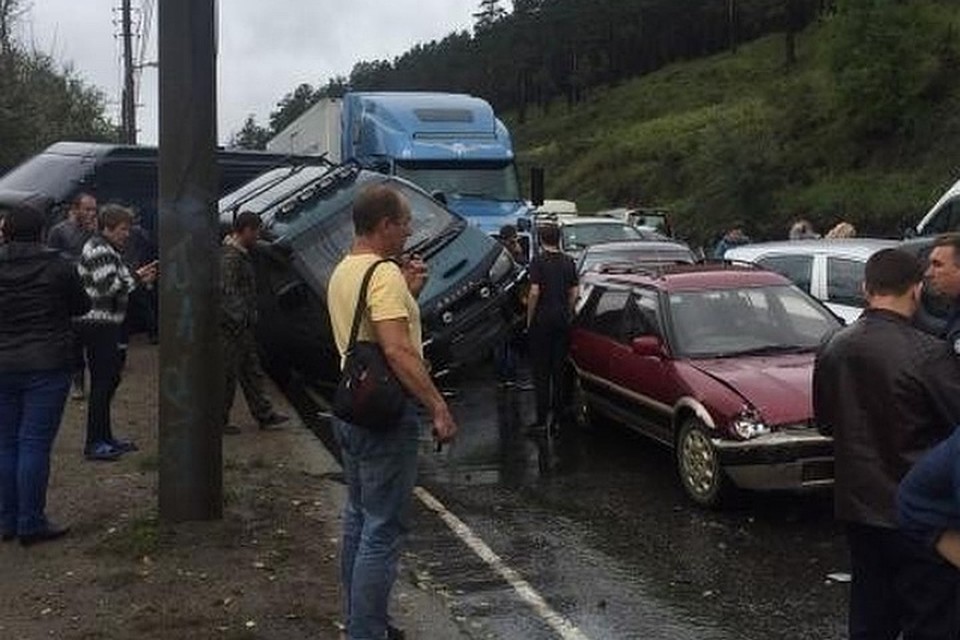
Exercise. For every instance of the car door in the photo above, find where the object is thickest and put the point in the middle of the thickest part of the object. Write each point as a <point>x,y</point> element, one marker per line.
<point>844,290</point>
<point>798,268</point>
<point>646,381</point>
<point>596,334</point>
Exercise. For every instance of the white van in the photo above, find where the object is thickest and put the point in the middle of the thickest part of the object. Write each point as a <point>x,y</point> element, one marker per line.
<point>944,216</point>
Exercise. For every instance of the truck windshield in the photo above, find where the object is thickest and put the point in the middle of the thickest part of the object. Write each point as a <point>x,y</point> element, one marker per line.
<point>321,245</point>
<point>486,180</point>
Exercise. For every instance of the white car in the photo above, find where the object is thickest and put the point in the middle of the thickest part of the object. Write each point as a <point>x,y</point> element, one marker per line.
<point>579,232</point>
<point>829,270</point>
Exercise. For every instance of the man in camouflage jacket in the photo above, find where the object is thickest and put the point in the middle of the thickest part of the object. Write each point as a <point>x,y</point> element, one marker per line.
<point>238,318</point>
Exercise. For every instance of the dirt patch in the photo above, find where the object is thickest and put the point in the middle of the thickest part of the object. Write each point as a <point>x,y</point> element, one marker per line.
<point>268,570</point>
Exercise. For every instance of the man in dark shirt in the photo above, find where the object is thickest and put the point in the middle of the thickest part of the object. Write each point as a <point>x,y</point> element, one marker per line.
<point>928,502</point>
<point>888,392</point>
<point>943,276</point>
<point>68,237</point>
<point>553,293</point>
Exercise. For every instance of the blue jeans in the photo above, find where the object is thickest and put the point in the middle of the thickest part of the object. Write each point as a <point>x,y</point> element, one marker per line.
<point>381,471</point>
<point>31,406</point>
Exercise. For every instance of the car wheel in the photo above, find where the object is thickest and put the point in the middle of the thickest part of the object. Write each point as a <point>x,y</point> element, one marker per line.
<point>698,465</point>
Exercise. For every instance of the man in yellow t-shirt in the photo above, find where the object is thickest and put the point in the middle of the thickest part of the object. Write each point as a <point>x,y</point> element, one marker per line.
<point>380,467</point>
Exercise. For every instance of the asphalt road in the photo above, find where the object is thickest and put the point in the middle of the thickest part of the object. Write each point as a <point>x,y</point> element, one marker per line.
<point>598,526</point>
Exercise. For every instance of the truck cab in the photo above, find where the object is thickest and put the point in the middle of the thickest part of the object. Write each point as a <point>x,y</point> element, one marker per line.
<point>451,145</point>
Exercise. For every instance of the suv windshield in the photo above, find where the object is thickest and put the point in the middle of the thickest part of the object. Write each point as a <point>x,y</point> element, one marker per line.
<point>748,321</point>
<point>481,180</point>
<point>580,236</point>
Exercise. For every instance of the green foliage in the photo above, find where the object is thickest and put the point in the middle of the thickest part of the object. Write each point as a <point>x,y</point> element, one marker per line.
<point>251,136</point>
<point>41,104</point>
<point>744,137</point>
<point>291,107</point>
<point>886,57</point>
<point>545,50</point>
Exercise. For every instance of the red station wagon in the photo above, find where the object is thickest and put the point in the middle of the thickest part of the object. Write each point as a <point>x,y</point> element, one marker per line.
<point>714,361</point>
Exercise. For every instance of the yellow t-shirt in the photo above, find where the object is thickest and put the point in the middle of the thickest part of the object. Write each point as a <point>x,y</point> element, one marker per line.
<point>388,298</point>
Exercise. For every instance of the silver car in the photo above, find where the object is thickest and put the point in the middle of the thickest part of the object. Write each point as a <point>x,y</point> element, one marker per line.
<point>829,270</point>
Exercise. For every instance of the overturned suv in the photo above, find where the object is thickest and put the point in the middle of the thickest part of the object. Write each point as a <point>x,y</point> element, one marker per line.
<point>307,219</point>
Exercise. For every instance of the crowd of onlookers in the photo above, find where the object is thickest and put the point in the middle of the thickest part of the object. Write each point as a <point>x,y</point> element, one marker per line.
<point>70,298</point>
<point>800,230</point>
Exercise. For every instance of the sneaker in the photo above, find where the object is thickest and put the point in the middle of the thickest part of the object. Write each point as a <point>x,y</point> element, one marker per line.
<point>8,537</point>
<point>47,534</point>
<point>124,446</point>
<point>77,393</point>
<point>395,633</point>
<point>103,452</point>
<point>273,420</point>
<point>231,430</point>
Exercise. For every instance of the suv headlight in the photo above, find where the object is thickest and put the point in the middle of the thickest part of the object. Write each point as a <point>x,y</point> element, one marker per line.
<point>501,267</point>
<point>749,426</point>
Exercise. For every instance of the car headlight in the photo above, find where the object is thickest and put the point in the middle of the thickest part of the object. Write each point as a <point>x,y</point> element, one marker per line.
<point>749,426</point>
<point>502,266</point>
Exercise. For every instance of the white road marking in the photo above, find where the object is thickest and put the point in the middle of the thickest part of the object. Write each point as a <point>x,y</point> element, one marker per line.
<point>527,593</point>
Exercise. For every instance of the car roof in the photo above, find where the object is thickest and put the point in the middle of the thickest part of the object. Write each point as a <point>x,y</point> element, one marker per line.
<point>644,245</point>
<point>575,220</point>
<point>860,247</point>
<point>693,277</point>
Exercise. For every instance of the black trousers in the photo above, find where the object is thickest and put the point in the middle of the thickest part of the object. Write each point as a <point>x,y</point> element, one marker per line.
<point>900,585</point>
<point>548,354</point>
<point>102,342</point>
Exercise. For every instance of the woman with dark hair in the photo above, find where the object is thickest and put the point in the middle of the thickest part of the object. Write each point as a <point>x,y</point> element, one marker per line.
<point>39,293</point>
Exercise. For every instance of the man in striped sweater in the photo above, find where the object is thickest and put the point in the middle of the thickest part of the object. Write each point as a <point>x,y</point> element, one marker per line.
<point>108,283</point>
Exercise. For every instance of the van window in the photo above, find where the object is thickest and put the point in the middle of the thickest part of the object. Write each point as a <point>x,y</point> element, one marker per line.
<point>797,269</point>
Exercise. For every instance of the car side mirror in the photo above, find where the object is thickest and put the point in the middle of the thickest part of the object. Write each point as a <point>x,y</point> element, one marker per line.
<point>648,347</point>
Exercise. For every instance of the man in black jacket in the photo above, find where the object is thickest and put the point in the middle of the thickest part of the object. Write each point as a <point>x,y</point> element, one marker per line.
<point>39,293</point>
<point>887,392</point>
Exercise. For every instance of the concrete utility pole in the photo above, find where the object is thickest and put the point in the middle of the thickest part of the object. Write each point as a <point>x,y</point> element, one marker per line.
<point>128,115</point>
<point>191,363</point>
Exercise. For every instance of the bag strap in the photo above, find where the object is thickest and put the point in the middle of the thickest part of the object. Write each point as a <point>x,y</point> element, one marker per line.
<point>361,303</point>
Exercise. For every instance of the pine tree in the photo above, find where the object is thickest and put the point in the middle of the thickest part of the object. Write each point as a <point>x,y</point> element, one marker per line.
<point>489,14</point>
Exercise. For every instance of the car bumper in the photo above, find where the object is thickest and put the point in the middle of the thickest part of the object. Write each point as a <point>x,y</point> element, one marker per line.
<point>472,334</point>
<point>799,459</point>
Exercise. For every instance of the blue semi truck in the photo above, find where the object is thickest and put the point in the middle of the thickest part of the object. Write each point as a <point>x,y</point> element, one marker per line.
<point>451,145</point>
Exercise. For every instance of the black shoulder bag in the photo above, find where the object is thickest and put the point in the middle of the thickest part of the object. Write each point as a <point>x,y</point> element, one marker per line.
<point>369,394</point>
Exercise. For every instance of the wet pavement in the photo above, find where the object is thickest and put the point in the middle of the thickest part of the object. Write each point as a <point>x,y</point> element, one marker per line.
<point>598,525</point>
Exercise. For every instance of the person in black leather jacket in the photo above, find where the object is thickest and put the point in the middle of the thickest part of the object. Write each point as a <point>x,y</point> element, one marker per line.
<point>888,392</point>
<point>39,293</point>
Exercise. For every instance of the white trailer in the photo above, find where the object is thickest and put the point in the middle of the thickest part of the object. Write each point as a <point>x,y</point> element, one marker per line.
<point>315,132</point>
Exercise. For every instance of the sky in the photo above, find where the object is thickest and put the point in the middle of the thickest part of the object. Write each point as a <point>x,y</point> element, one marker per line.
<point>266,48</point>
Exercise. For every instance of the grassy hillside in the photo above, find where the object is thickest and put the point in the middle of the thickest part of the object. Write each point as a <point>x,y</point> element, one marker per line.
<point>865,128</point>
